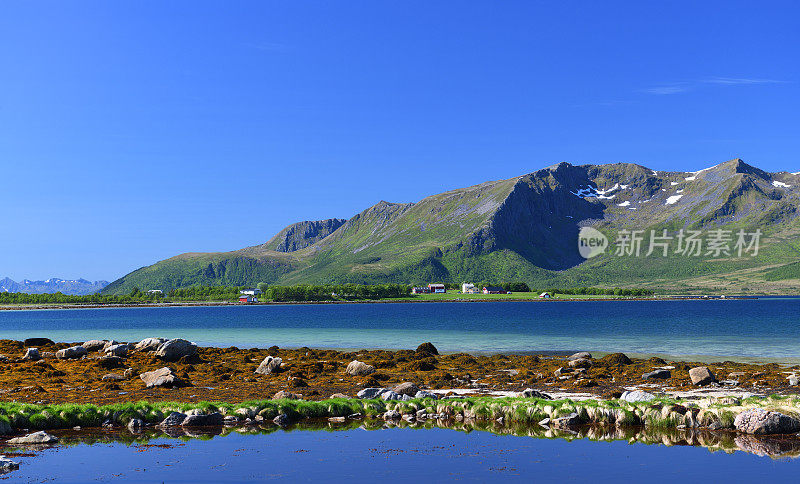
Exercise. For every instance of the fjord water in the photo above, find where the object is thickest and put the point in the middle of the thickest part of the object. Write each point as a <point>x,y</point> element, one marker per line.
<point>760,328</point>
<point>405,454</point>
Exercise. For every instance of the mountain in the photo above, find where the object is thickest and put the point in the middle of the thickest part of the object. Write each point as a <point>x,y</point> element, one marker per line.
<point>526,229</point>
<point>52,285</point>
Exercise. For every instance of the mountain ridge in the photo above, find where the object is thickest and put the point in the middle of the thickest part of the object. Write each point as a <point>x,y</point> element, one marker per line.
<point>522,228</point>
<point>78,287</point>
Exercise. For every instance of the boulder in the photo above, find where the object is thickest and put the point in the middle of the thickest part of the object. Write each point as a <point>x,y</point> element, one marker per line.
<point>425,394</point>
<point>615,359</point>
<point>175,349</point>
<point>40,437</point>
<point>163,377</point>
<point>283,394</point>
<point>580,363</point>
<point>358,368</point>
<point>73,352</point>
<point>338,395</point>
<point>211,420</point>
<point>637,396</point>
<point>149,344</point>
<point>657,375</point>
<point>120,350</point>
<point>566,422</point>
<point>135,425</point>
<point>701,375</point>
<point>269,365</point>
<point>173,419</point>
<point>32,354</point>
<point>281,420</point>
<point>38,342</point>
<point>390,395</point>
<point>762,422</point>
<point>531,393</point>
<point>369,393</point>
<point>406,388</point>
<point>7,465</point>
<point>95,344</point>
<point>391,415</point>
<point>581,355</point>
<point>427,348</point>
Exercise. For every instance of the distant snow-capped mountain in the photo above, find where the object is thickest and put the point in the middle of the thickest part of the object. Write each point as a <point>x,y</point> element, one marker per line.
<point>54,284</point>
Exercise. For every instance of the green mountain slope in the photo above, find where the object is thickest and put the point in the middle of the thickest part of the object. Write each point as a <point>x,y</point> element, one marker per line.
<point>526,228</point>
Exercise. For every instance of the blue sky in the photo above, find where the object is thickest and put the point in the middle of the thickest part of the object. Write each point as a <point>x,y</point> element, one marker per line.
<point>134,131</point>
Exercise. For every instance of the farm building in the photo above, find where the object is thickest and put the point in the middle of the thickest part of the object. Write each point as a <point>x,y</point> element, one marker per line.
<point>245,298</point>
<point>494,290</point>
<point>420,290</point>
<point>545,295</point>
<point>437,288</point>
<point>251,292</point>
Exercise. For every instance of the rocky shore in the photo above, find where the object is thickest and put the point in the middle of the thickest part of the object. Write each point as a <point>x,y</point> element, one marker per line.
<point>47,385</point>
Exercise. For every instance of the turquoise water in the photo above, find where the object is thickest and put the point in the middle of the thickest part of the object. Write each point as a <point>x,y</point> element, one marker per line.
<point>762,328</point>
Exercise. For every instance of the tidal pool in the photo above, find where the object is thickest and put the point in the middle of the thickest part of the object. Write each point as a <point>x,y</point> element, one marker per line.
<point>362,451</point>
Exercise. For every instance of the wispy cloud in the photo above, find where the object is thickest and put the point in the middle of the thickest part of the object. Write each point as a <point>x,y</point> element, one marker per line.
<point>680,87</point>
<point>734,81</point>
<point>667,90</point>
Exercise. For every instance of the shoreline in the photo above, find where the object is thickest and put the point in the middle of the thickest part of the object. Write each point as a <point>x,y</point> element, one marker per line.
<point>32,307</point>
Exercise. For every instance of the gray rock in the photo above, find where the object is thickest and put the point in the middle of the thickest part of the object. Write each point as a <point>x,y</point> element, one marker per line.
<point>135,425</point>
<point>701,375</point>
<point>570,420</point>
<point>421,414</point>
<point>32,354</point>
<point>173,420</point>
<point>95,344</point>
<point>72,352</point>
<point>406,388</point>
<point>390,395</point>
<point>211,420</point>
<point>581,355</point>
<point>637,396</point>
<point>580,363</point>
<point>149,344</point>
<point>544,422</point>
<point>269,365</point>
<point>162,377</point>
<point>793,380</point>
<point>358,368</point>
<point>120,350</point>
<point>281,420</point>
<point>338,395</point>
<point>7,465</point>
<point>425,394</point>
<point>369,393</point>
<point>562,371</point>
<point>391,415</point>
<point>657,375</point>
<point>40,437</point>
<point>531,393</point>
<point>762,422</point>
<point>175,349</point>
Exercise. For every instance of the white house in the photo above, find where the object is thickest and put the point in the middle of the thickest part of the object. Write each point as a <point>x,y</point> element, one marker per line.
<point>155,291</point>
<point>467,288</point>
<point>545,295</point>
<point>250,292</point>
